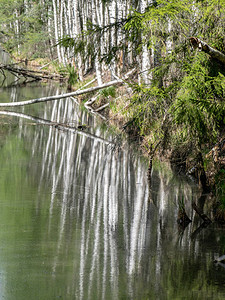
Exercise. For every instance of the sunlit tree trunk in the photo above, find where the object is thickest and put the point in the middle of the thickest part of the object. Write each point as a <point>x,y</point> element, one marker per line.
<point>62,31</point>
<point>70,17</point>
<point>17,29</point>
<point>169,43</point>
<point>96,20</point>
<point>145,59</point>
<point>56,29</point>
<point>50,26</point>
<point>76,32</point>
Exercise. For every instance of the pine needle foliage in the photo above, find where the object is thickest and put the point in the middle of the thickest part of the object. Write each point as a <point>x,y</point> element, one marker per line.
<point>188,87</point>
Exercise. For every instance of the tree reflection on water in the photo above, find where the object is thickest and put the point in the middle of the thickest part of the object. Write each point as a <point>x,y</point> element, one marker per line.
<point>110,238</point>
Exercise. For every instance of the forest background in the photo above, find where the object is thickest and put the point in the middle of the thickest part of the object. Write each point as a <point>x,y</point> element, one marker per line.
<point>174,103</point>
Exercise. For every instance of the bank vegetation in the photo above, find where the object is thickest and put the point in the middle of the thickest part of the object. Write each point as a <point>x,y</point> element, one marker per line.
<point>174,101</point>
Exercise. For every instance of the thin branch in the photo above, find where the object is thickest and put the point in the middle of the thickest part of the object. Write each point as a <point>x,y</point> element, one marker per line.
<point>101,107</point>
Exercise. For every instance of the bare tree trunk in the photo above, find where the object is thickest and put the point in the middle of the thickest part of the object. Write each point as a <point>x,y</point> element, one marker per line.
<point>98,40</point>
<point>61,30</point>
<point>17,27</point>
<point>49,25</point>
<point>112,19</point>
<point>76,93</point>
<point>60,126</point>
<point>214,53</point>
<point>77,31</point>
<point>26,73</point>
<point>56,29</point>
<point>145,59</point>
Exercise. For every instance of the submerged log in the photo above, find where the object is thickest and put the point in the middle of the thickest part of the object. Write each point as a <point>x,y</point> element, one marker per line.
<point>202,46</point>
<point>80,129</point>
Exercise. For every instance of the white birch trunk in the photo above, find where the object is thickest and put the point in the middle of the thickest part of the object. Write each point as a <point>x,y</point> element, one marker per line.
<point>77,31</point>
<point>120,8</point>
<point>112,19</point>
<point>97,43</point>
<point>62,49</point>
<point>145,66</point>
<point>169,43</point>
<point>17,28</point>
<point>56,29</point>
<point>68,26</point>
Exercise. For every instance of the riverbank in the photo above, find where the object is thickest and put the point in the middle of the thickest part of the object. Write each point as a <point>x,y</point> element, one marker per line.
<point>137,112</point>
<point>84,209</point>
<point>203,162</point>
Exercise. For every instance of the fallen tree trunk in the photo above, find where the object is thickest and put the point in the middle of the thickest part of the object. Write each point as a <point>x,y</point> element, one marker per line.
<point>59,126</point>
<point>35,74</point>
<point>202,46</point>
<point>63,96</point>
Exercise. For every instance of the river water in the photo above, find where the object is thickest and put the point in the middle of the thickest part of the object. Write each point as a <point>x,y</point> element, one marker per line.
<point>78,221</point>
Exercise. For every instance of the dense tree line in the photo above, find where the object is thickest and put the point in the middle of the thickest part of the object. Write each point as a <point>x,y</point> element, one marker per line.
<point>89,33</point>
<point>178,97</point>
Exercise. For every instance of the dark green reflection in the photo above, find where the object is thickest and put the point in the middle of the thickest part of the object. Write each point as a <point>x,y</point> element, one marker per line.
<point>28,249</point>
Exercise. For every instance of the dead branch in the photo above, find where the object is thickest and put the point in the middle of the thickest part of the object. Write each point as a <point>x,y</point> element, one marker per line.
<point>49,63</point>
<point>202,46</point>
<point>63,96</point>
<point>87,84</point>
<point>92,111</point>
<point>101,107</point>
<point>35,74</point>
